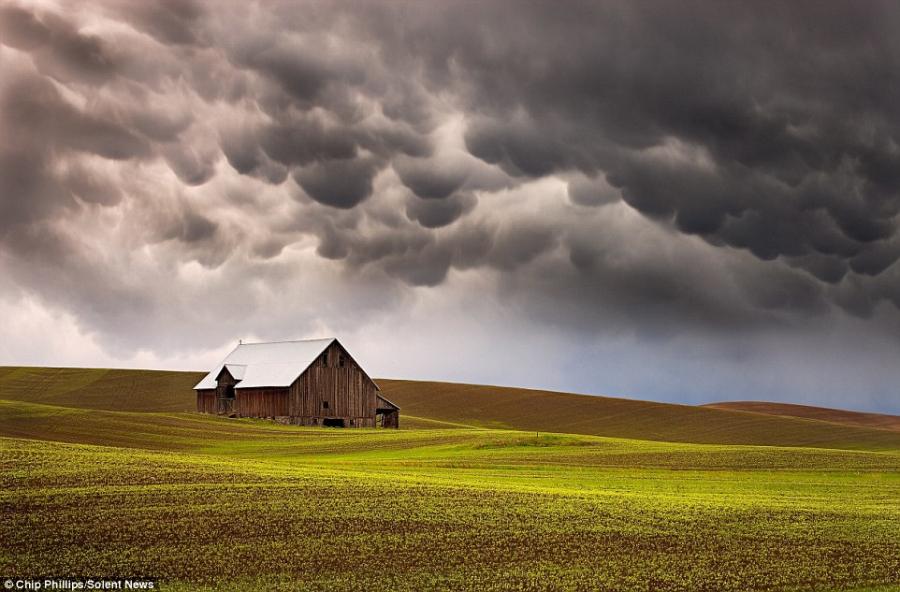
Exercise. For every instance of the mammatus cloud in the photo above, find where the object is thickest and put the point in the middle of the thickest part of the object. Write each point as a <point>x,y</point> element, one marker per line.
<point>719,172</point>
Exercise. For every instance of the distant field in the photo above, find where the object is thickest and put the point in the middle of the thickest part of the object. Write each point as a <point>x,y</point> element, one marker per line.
<point>440,404</point>
<point>527,409</point>
<point>98,388</point>
<point>852,418</point>
<point>239,504</point>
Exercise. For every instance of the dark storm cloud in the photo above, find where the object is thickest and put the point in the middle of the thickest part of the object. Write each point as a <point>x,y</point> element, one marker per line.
<point>39,117</point>
<point>586,191</point>
<point>177,22</point>
<point>57,45</point>
<point>308,75</point>
<point>39,126</point>
<point>192,166</point>
<point>436,213</point>
<point>431,178</point>
<point>303,141</point>
<point>412,143</point>
<point>775,134</point>
<point>197,228</point>
<point>338,183</point>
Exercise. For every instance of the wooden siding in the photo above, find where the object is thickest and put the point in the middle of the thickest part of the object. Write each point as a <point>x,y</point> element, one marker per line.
<point>388,414</point>
<point>224,386</point>
<point>383,403</point>
<point>261,402</point>
<point>347,390</point>
<point>223,381</point>
<point>206,401</point>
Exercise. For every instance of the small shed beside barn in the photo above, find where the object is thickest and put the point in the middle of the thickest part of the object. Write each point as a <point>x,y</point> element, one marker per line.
<point>313,382</point>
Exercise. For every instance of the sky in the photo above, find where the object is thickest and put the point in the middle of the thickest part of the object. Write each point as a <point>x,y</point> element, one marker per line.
<point>686,202</point>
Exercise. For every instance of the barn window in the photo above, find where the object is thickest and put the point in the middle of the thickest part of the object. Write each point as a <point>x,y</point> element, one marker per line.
<point>229,391</point>
<point>324,404</point>
<point>341,361</point>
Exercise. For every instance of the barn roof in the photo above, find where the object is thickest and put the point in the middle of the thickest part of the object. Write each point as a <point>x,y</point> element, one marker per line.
<point>236,370</point>
<point>274,364</point>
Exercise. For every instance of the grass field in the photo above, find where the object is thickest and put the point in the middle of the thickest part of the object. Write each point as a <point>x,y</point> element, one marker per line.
<point>458,499</point>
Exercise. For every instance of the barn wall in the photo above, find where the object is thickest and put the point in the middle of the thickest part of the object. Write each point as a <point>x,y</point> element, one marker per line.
<point>261,402</point>
<point>206,401</point>
<point>347,390</point>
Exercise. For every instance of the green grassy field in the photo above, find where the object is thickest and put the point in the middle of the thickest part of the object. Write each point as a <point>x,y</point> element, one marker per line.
<point>457,499</point>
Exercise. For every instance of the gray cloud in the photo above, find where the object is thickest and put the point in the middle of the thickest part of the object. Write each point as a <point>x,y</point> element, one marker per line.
<point>57,46</point>
<point>436,213</point>
<point>717,170</point>
<point>596,191</point>
<point>728,133</point>
<point>431,178</point>
<point>176,22</point>
<point>338,183</point>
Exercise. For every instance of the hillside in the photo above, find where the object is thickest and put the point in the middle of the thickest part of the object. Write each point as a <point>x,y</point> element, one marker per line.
<point>100,388</point>
<point>880,421</point>
<point>89,486</point>
<point>442,404</point>
<point>538,410</point>
<point>207,503</point>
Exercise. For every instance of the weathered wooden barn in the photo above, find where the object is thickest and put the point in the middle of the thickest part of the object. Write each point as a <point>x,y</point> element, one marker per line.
<point>312,382</point>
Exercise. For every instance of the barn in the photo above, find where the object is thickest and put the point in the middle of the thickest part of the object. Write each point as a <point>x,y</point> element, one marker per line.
<point>313,382</point>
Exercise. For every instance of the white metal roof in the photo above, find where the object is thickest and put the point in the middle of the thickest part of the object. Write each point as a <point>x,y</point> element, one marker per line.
<point>236,370</point>
<point>277,363</point>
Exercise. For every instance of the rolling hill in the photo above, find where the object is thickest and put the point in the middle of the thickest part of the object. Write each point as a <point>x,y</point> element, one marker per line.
<point>880,421</point>
<point>110,471</point>
<point>441,404</point>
